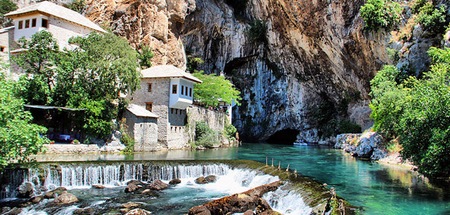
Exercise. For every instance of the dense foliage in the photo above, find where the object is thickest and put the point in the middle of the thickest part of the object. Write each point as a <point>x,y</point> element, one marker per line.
<point>432,18</point>
<point>215,89</point>
<point>19,138</point>
<point>145,56</point>
<point>417,112</point>
<point>204,135</point>
<point>6,6</point>
<point>89,76</point>
<point>380,14</point>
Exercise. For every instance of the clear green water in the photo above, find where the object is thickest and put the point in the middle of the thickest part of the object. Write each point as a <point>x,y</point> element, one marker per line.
<point>379,189</point>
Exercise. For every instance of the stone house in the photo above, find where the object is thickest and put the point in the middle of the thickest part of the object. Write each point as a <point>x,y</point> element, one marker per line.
<point>166,92</point>
<point>62,22</point>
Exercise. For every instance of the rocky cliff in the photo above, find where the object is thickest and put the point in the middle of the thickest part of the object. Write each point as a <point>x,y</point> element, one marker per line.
<point>303,66</point>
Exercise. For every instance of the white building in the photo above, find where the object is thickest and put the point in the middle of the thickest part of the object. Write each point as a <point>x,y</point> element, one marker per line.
<point>166,91</point>
<point>62,22</point>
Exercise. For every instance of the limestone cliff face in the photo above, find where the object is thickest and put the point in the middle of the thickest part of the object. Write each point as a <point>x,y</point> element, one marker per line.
<point>314,62</point>
<point>307,71</point>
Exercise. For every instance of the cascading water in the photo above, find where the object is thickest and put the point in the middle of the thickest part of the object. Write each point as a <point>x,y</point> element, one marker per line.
<point>79,177</point>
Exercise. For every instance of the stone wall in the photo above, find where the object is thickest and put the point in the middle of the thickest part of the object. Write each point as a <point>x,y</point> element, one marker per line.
<point>159,96</point>
<point>144,132</point>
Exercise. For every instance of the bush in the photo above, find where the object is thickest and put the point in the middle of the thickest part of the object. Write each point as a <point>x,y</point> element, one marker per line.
<point>380,14</point>
<point>230,131</point>
<point>431,18</point>
<point>204,135</point>
<point>416,112</point>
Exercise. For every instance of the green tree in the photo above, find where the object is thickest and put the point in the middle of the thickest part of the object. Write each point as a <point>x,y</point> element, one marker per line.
<point>6,6</point>
<point>40,62</point>
<point>380,14</point>
<point>89,76</point>
<point>19,138</point>
<point>215,89</point>
<point>417,112</point>
<point>77,5</point>
<point>145,57</point>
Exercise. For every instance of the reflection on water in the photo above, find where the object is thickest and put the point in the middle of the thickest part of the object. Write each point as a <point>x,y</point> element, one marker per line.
<point>221,153</point>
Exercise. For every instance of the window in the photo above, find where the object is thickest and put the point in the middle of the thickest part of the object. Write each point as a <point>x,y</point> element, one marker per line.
<point>20,24</point>
<point>149,87</point>
<point>190,92</point>
<point>27,23</point>
<point>33,23</point>
<point>171,110</point>
<point>174,89</point>
<point>182,90</point>
<point>44,23</point>
<point>2,49</point>
<point>176,111</point>
<point>149,106</point>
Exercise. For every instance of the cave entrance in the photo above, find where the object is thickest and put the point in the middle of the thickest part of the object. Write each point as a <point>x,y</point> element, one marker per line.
<point>286,136</point>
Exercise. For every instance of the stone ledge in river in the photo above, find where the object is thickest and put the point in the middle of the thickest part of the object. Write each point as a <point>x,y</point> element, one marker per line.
<point>239,203</point>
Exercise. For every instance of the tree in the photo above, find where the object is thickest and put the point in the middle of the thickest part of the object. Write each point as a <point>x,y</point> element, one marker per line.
<point>145,56</point>
<point>380,14</point>
<point>417,112</point>
<point>90,76</point>
<point>39,61</point>
<point>215,89</point>
<point>6,6</point>
<point>19,138</point>
<point>431,18</point>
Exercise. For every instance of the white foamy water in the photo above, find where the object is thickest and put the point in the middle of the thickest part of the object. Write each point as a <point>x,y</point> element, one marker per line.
<point>229,181</point>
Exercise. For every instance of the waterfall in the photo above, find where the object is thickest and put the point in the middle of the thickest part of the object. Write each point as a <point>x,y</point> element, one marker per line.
<point>287,201</point>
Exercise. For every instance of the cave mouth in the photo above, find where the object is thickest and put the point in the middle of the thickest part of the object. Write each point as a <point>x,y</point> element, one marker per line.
<point>285,136</point>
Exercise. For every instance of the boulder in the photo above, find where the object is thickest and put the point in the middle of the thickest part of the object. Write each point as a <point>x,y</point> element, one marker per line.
<point>55,192</point>
<point>239,203</point>
<point>84,211</point>
<point>133,186</point>
<point>367,143</point>
<point>158,185</point>
<point>65,198</point>
<point>200,180</point>
<point>174,181</point>
<point>37,199</point>
<point>26,190</point>
<point>13,211</point>
<point>131,205</point>
<point>211,178</point>
<point>98,186</point>
<point>138,211</point>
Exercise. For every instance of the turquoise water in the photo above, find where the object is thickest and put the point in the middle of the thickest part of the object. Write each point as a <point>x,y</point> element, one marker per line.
<point>377,188</point>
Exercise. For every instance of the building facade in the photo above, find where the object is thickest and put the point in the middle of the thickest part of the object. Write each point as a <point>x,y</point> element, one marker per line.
<point>62,22</point>
<point>167,92</point>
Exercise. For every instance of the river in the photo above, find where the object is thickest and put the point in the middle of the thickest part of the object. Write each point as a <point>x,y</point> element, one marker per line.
<point>377,188</point>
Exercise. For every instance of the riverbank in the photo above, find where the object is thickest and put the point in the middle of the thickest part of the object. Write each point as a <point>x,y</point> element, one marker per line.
<point>370,146</point>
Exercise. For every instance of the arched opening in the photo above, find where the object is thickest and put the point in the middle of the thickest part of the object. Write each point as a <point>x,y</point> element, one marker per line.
<point>286,136</point>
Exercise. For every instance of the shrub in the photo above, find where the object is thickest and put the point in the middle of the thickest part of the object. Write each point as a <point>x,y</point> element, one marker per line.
<point>380,14</point>
<point>230,131</point>
<point>204,135</point>
<point>431,18</point>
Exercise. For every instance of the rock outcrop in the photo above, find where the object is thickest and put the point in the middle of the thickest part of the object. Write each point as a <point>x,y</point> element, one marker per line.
<point>239,203</point>
<point>364,146</point>
<point>310,62</point>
